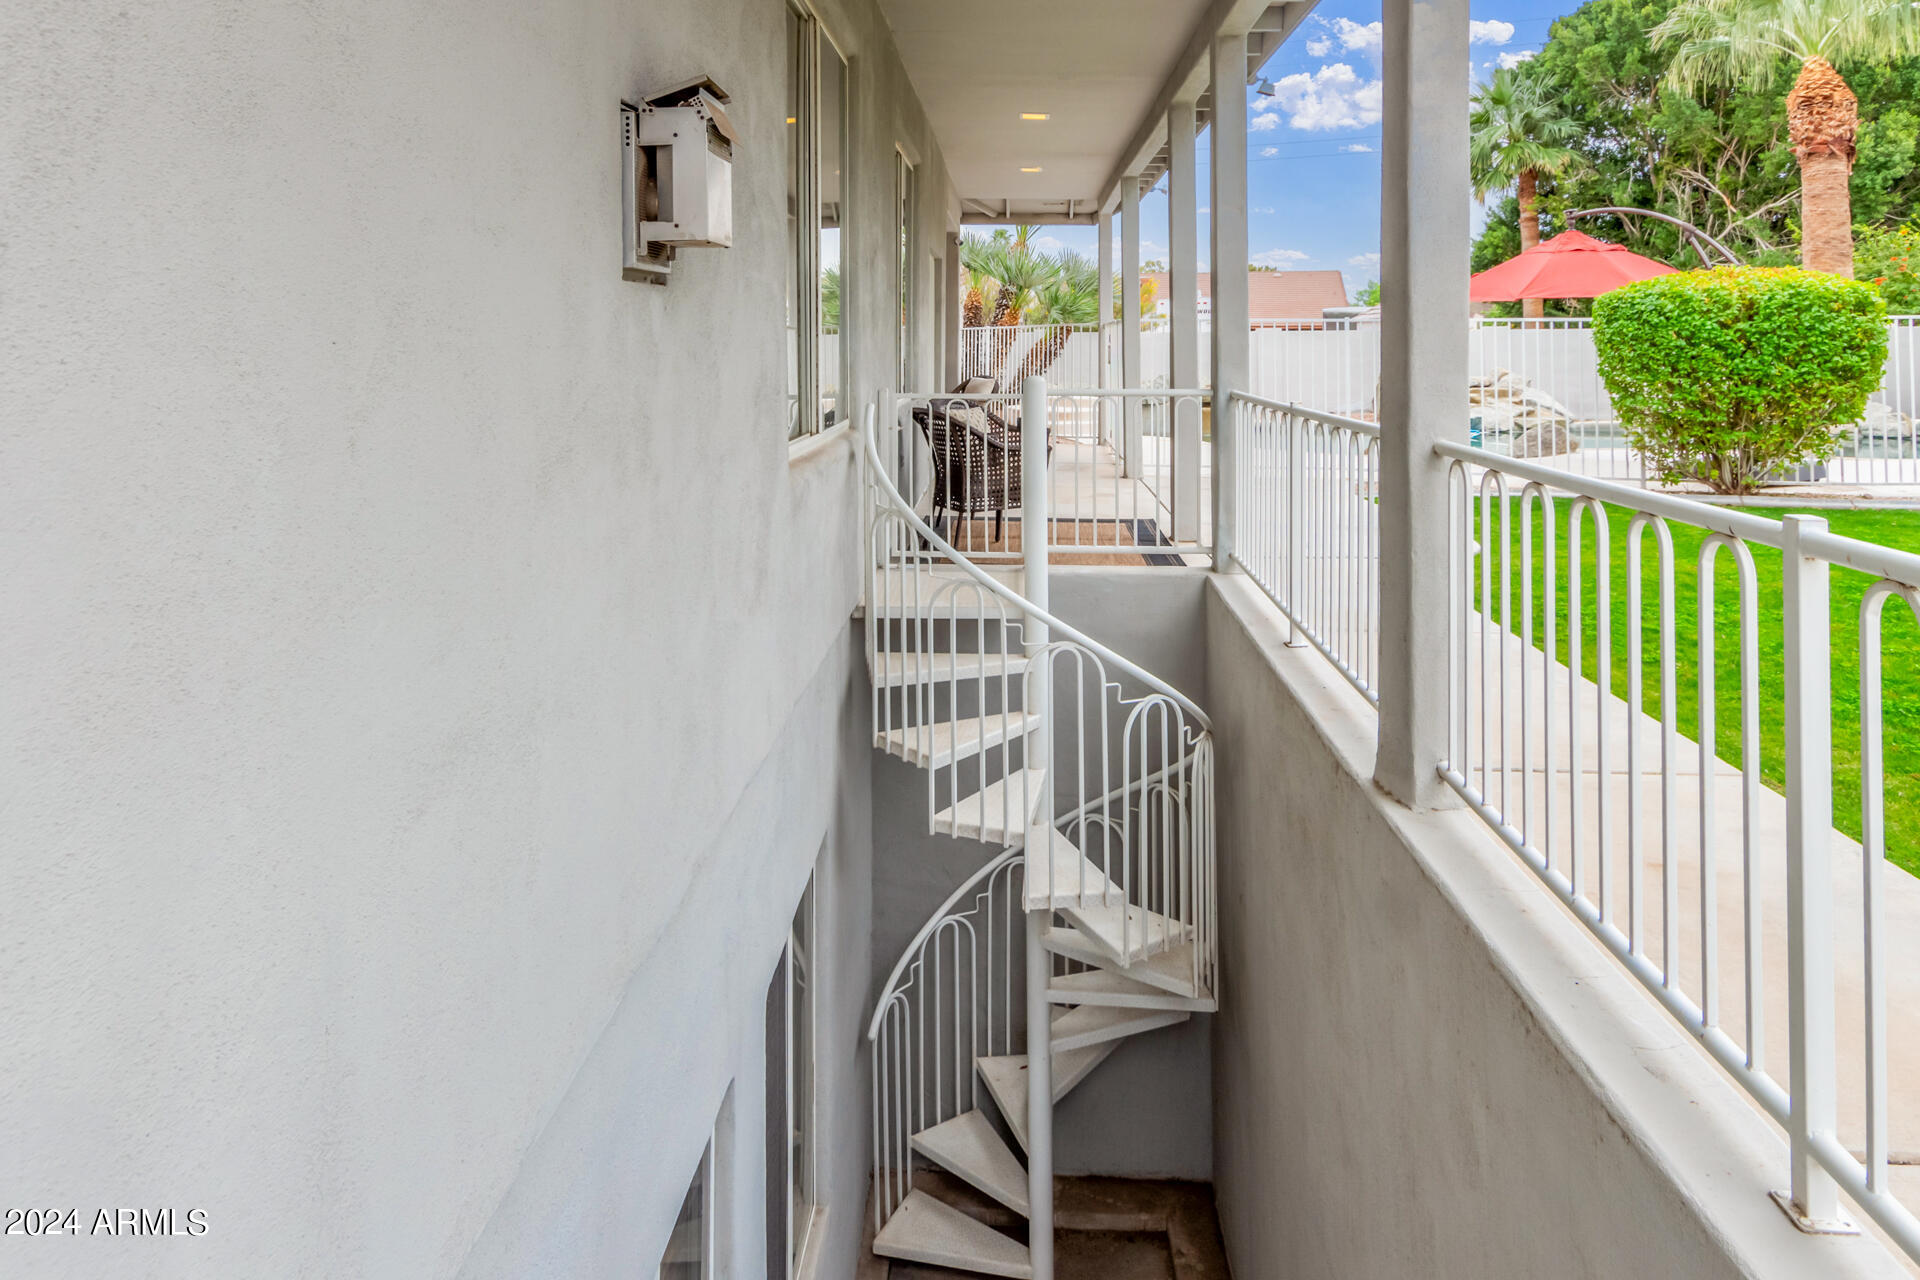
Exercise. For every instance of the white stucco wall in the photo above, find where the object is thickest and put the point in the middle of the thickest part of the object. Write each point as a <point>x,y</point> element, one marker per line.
<point>1421,1065</point>
<point>399,606</point>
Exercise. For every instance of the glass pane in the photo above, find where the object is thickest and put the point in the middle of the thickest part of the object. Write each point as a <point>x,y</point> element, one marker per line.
<point>833,151</point>
<point>686,1255</point>
<point>796,79</point>
<point>903,219</point>
<point>800,971</point>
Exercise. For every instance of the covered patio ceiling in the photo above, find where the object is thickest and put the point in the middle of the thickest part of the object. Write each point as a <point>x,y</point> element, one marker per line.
<point>1102,72</point>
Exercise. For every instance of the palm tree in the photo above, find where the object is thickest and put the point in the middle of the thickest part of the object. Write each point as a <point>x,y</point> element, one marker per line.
<point>1070,297</point>
<point>1020,271</point>
<point>1517,136</point>
<point>977,261</point>
<point>1746,42</point>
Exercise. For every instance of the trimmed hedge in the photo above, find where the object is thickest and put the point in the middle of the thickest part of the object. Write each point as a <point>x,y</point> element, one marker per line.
<point>1730,376</point>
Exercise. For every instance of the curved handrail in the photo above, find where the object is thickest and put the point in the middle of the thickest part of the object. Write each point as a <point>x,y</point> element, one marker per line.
<point>926,931</point>
<point>1012,851</point>
<point>878,470</point>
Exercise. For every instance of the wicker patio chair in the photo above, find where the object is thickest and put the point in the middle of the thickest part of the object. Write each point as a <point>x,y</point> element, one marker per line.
<point>976,460</point>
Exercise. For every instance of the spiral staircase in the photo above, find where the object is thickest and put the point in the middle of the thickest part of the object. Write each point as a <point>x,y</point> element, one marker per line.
<point>1087,782</point>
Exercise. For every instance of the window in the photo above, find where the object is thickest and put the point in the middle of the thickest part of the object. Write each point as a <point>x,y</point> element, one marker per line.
<point>697,1248</point>
<point>833,193</point>
<point>903,220</point>
<point>793,1200</point>
<point>689,1254</point>
<point>816,217</point>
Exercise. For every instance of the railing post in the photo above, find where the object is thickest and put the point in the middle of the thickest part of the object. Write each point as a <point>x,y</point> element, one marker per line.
<point>1813,1200</point>
<point>1033,544</point>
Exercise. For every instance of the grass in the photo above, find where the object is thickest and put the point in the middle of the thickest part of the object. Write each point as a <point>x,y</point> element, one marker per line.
<point>1900,665</point>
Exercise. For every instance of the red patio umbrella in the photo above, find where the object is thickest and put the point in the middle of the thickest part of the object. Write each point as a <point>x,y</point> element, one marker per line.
<point>1571,265</point>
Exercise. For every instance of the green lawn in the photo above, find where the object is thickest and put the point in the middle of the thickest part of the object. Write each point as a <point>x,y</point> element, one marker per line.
<point>1900,665</point>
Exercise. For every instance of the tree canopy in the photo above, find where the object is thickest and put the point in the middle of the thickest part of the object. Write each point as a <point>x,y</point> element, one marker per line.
<point>1718,155</point>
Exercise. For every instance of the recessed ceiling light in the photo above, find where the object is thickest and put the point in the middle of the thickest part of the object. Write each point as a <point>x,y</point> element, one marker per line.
<point>1036,115</point>
<point>1034,169</point>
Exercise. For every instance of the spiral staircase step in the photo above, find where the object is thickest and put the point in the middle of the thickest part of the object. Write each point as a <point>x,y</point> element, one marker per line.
<point>939,744</point>
<point>968,1147</point>
<point>927,1230</point>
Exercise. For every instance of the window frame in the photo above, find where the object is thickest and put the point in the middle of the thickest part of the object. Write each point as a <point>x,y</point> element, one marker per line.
<point>801,1214</point>
<point>805,263</point>
<point>709,1243</point>
<point>905,201</point>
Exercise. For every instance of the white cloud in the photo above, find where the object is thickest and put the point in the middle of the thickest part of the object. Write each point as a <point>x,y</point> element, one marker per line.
<point>1268,153</point>
<point>1356,147</point>
<point>1262,208</point>
<point>1050,244</point>
<point>1279,257</point>
<point>1508,61</point>
<point>1491,32</point>
<point>1355,37</point>
<point>1265,122</point>
<point>1319,48</point>
<point>1367,260</point>
<point>1334,97</point>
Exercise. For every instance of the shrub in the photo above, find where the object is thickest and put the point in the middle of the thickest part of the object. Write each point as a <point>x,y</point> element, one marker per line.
<point>1731,375</point>
<point>1890,258</point>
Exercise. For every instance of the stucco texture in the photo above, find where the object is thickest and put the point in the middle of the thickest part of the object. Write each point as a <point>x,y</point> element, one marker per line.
<point>398,607</point>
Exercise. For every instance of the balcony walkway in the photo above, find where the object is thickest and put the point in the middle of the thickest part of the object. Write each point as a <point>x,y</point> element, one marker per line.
<point>1095,504</point>
<point>1900,891</point>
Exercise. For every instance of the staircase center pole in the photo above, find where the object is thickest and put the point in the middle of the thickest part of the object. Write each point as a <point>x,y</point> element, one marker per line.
<point>1034,537</point>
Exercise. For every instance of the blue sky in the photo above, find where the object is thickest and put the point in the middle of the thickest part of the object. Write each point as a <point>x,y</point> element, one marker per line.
<point>1314,147</point>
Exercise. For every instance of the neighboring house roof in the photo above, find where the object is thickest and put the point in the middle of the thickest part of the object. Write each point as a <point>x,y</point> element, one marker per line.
<point>1274,295</point>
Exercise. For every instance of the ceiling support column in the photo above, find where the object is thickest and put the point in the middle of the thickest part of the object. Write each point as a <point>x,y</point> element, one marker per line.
<point>1130,321</point>
<point>1183,265</point>
<point>951,293</point>
<point>1108,326</point>
<point>1227,220</point>
<point>1424,200</point>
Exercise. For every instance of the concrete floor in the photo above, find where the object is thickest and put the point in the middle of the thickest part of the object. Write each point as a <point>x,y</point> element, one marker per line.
<point>1084,1255</point>
<point>1107,1229</point>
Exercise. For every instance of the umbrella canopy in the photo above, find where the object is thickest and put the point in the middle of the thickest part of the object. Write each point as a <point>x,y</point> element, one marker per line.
<point>1571,265</point>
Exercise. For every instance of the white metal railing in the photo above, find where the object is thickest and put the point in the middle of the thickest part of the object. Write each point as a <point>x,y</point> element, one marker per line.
<point>1331,366</point>
<point>1574,680</point>
<point>1067,354</point>
<point>1126,470</point>
<point>955,995</point>
<point>1534,392</point>
<point>1307,497</point>
<point>1720,895</point>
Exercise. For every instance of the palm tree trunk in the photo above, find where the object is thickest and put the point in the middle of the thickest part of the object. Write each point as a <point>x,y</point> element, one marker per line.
<point>1044,352</point>
<point>1823,118</point>
<point>1531,308</point>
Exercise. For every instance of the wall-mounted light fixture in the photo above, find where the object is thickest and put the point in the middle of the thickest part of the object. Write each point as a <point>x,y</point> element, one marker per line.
<point>1264,88</point>
<point>677,177</point>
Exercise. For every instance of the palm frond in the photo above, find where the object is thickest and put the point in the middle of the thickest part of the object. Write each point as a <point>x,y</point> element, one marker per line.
<point>1751,42</point>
